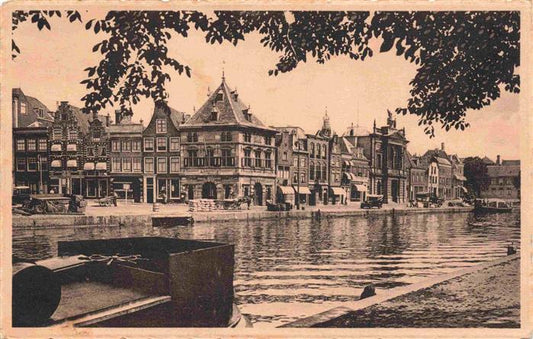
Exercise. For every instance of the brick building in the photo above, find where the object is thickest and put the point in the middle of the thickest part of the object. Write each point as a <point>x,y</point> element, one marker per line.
<point>31,119</point>
<point>418,176</point>
<point>126,158</point>
<point>227,151</point>
<point>385,148</point>
<point>95,158</point>
<point>355,166</point>
<point>504,180</point>
<point>66,149</point>
<point>292,159</point>
<point>161,154</point>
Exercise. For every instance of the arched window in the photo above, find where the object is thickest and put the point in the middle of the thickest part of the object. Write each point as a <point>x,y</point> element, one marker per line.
<point>312,150</point>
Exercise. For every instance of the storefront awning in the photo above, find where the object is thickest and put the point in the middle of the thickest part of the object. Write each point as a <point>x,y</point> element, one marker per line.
<point>361,188</point>
<point>101,166</point>
<point>88,166</point>
<point>72,163</point>
<point>338,191</point>
<point>72,147</point>
<point>350,176</point>
<point>303,190</point>
<point>56,163</point>
<point>459,177</point>
<point>286,190</point>
<point>56,148</point>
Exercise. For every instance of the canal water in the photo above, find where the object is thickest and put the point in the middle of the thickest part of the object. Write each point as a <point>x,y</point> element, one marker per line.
<point>289,269</point>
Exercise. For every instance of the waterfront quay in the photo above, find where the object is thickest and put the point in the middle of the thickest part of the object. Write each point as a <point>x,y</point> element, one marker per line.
<point>288,269</point>
<point>142,213</point>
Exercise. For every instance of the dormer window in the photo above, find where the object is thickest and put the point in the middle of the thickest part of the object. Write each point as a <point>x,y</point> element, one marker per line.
<point>219,96</point>
<point>161,126</point>
<point>214,114</point>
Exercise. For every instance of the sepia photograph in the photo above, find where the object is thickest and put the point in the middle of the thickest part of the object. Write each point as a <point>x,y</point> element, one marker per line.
<point>264,169</point>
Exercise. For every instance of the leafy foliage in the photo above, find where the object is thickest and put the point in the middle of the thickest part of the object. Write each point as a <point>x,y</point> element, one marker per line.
<point>464,58</point>
<point>477,178</point>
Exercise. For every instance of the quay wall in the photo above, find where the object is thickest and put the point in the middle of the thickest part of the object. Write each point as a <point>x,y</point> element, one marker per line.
<point>46,221</point>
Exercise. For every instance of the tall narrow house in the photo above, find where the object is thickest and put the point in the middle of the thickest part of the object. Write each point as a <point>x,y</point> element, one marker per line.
<point>161,155</point>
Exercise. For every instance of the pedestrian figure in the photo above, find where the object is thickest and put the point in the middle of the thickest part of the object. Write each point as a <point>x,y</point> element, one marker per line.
<point>115,197</point>
<point>248,201</point>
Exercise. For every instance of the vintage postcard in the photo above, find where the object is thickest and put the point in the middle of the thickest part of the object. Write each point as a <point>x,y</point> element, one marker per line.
<point>266,169</point>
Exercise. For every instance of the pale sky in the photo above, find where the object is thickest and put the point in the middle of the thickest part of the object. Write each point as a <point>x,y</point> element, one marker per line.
<point>51,65</point>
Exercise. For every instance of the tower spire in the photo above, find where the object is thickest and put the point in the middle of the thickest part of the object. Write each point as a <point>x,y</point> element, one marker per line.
<point>223,75</point>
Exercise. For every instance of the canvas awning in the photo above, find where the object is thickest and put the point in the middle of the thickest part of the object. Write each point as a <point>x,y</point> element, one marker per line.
<point>101,166</point>
<point>88,166</point>
<point>303,190</point>
<point>72,147</point>
<point>72,163</point>
<point>56,148</point>
<point>459,177</point>
<point>361,188</point>
<point>350,176</point>
<point>56,163</point>
<point>286,190</point>
<point>338,191</point>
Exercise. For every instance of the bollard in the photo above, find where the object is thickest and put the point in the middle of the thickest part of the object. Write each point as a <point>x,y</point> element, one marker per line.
<point>368,291</point>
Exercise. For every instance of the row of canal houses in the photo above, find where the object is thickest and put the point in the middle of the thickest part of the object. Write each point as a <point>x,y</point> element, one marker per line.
<point>222,151</point>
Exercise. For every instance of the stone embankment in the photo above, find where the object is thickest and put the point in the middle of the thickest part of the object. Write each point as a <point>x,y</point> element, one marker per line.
<point>128,215</point>
<point>486,295</point>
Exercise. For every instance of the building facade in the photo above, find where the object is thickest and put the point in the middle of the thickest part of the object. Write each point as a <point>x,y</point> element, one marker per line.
<point>31,119</point>
<point>458,177</point>
<point>161,155</point>
<point>418,176</point>
<point>292,166</point>
<point>126,158</point>
<point>227,151</point>
<point>440,172</point>
<point>385,147</point>
<point>66,150</point>
<point>95,159</point>
<point>355,166</point>
<point>504,180</point>
<point>31,158</point>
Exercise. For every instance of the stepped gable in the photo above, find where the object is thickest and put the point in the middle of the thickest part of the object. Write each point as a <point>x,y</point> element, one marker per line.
<point>229,108</point>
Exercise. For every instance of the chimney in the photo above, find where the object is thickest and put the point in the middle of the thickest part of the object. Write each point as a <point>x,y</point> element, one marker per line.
<point>118,117</point>
<point>498,160</point>
<point>442,146</point>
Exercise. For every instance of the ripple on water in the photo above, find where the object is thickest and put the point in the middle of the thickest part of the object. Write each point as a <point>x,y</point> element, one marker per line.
<point>288,269</point>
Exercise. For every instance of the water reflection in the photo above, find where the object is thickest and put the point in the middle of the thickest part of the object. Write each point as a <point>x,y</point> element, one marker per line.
<point>285,269</point>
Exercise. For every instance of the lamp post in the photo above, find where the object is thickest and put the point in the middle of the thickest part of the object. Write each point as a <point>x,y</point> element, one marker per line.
<point>40,173</point>
<point>298,176</point>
